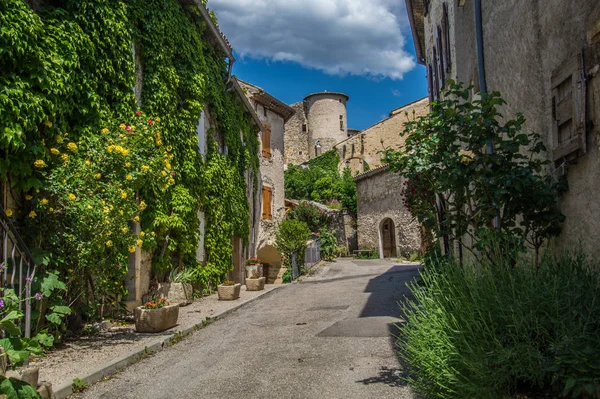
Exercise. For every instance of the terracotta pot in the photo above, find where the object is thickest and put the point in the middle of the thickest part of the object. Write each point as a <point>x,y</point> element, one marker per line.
<point>254,269</point>
<point>156,320</point>
<point>229,292</point>
<point>255,284</point>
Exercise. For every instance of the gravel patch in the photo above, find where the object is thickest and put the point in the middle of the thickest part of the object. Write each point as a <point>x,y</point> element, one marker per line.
<point>77,357</point>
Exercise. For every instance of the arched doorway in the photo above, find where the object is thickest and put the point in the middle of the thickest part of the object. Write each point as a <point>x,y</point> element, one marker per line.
<point>271,261</point>
<point>387,236</point>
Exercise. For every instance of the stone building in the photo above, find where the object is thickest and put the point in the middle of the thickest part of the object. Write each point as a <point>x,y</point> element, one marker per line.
<point>362,151</point>
<point>270,208</point>
<point>320,122</point>
<point>544,58</point>
<point>383,222</point>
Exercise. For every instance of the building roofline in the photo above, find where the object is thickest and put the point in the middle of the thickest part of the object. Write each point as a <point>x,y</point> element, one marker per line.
<point>335,93</point>
<point>418,36</point>
<point>244,99</point>
<point>213,28</point>
<point>270,101</point>
<point>372,172</point>
<point>393,112</point>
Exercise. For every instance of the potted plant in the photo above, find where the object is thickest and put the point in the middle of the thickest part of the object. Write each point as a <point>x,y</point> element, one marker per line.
<point>156,316</point>
<point>228,290</point>
<point>255,283</point>
<point>178,290</point>
<point>254,266</point>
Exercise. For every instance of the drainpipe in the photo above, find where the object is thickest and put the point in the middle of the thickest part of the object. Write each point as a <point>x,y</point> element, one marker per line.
<point>481,72</point>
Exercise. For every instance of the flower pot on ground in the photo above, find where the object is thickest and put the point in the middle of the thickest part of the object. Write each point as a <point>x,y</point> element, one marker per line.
<point>156,316</point>
<point>229,291</point>
<point>176,293</point>
<point>254,266</point>
<point>255,283</point>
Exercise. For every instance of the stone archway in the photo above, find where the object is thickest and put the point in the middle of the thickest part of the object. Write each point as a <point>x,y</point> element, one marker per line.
<point>271,261</point>
<point>387,239</point>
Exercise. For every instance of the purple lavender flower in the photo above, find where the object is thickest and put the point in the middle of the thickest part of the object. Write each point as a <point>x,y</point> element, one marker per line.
<point>2,266</point>
<point>38,296</point>
<point>1,303</point>
<point>29,279</point>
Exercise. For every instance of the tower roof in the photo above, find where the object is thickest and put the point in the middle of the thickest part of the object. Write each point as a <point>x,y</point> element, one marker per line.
<point>321,93</point>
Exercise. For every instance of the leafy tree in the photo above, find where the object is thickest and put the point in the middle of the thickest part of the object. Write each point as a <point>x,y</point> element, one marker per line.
<point>310,214</point>
<point>457,187</point>
<point>320,180</point>
<point>291,237</point>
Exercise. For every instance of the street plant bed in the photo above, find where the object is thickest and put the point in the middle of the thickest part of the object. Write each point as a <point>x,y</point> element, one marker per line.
<point>78,356</point>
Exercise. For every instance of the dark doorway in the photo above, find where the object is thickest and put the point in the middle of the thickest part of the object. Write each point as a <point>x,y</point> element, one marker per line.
<point>388,238</point>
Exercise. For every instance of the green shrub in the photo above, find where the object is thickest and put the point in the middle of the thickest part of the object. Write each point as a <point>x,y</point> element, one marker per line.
<point>328,244</point>
<point>310,214</point>
<point>291,236</point>
<point>367,254</point>
<point>492,329</point>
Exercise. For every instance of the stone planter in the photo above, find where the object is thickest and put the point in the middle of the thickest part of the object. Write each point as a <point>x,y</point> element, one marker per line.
<point>254,269</point>
<point>255,284</point>
<point>156,320</point>
<point>176,293</point>
<point>229,292</point>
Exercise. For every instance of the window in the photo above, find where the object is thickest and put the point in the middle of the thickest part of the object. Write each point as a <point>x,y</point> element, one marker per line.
<point>201,133</point>
<point>352,149</point>
<point>267,201</point>
<point>264,111</point>
<point>568,109</point>
<point>440,64</point>
<point>446,38</point>
<point>430,83</point>
<point>425,7</point>
<point>304,128</point>
<point>341,122</point>
<point>266,141</point>
<point>436,82</point>
<point>299,152</point>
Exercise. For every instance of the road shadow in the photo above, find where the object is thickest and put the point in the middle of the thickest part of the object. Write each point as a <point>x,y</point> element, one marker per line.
<point>388,290</point>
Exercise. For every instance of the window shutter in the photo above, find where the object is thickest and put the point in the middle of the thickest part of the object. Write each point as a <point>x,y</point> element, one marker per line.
<point>436,75</point>
<point>267,196</point>
<point>201,132</point>
<point>568,109</point>
<point>266,141</point>
<point>440,64</point>
<point>446,38</point>
<point>425,7</point>
<point>430,82</point>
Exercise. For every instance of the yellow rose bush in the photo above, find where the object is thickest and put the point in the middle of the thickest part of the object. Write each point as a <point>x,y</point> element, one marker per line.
<point>97,194</point>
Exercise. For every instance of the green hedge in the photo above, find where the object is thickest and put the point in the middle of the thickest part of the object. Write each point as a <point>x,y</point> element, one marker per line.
<point>493,329</point>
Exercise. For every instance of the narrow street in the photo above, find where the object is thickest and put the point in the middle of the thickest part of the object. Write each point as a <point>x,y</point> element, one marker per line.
<point>329,336</point>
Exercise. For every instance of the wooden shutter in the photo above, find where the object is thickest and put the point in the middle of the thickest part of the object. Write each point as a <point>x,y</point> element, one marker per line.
<point>267,197</point>
<point>430,83</point>
<point>446,38</point>
<point>568,109</point>
<point>440,64</point>
<point>266,141</point>
<point>436,82</point>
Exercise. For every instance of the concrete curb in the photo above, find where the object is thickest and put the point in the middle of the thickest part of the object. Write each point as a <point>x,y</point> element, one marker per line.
<point>109,368</point>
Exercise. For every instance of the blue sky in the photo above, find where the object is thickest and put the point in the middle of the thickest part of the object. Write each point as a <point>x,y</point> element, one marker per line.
<point>292,48</point>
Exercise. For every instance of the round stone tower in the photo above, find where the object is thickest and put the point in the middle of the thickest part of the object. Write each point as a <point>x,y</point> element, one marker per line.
<point>327,121</point>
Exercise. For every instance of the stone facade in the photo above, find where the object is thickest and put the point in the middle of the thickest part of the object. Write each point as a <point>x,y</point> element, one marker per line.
<point>296,139</point>
<point>273,115</point>
<point>320,122</point>
<point>379,201</point>
<point>363,151</point>
<point>528,45</point>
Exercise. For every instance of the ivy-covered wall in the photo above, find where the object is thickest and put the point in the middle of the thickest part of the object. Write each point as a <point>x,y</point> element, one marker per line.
<point>68,77</point>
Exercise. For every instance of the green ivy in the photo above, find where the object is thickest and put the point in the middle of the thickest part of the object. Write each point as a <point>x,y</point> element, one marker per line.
<point>68,71</point>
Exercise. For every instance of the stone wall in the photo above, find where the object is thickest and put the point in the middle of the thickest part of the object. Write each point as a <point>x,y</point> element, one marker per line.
<point>296,141</point>
<point>367,146</point>
<point>379,198</point>
<point>524,43</point>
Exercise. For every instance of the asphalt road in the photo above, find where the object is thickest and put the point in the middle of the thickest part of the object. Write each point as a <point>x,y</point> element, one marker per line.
<point>327,337</point>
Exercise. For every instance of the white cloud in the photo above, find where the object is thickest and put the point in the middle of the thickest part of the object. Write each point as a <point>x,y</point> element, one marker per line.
<point>357,37</point>
<point>396,93</point>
